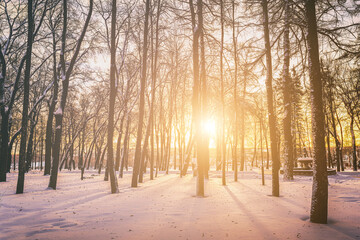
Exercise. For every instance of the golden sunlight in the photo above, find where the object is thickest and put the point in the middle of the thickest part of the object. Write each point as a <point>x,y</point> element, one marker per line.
<point>209,128</point>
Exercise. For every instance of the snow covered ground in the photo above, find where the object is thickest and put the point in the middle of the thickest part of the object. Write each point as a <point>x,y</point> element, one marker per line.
<point>166,208</point>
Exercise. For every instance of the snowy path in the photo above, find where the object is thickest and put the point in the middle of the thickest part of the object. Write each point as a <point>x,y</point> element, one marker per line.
<point>166,209</point>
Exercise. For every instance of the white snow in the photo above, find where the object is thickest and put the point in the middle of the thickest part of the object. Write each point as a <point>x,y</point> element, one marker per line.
<point>166,208</point>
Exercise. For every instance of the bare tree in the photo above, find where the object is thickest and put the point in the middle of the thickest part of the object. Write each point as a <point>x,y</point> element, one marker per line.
<point>137,158</point>
<point>288,137</point>
<point>110,154</point>
<point>24,121</point>
<point>271,113</point>
<point>65,74</point>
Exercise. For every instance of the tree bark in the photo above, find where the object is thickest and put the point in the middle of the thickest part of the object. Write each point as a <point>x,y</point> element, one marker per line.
<point>223,142</point>
<point>50,119</point>
<point>26,85</point>
<point>235,93</point>
<point>110,151</point>
<point>137,158</point>
<point>271,113</point>
<point>319,201</point>
<point>287,84</point>
<point>65,77</point>
<point>4,120</point>
<point>353,142</point>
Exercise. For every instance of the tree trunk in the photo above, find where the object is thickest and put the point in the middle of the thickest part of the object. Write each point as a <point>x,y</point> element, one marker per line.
<point>319,201</point>
<point>65,76</point>
<point>4,120</point>
<point>50,119</point>
<point>235,93</point>
<point>137,159</point>
<point>271,113</point>
<point>118,146</point>
<point>203,145</point>
<point>125,151</point>
<point>261,149</point>
<point>26,86</point>
<point>223,143</point>
<point>242,126</point>
<point>110,137</point>
<point>29,152</point>
<point>353,142</point>
<point>4,142</point>
<point>287,84</point>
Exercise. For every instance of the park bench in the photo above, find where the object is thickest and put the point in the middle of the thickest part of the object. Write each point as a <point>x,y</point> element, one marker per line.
<point>305,162</point>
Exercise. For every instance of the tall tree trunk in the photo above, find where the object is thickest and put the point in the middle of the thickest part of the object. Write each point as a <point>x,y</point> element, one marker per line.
<point>287,84</point>
<point>271,113</point>
<point>242,124</point>
<point>319,201</point>
<point>223,143</point>
<point>203,149</point>
<point>334,129</point>
<point>196,107</point>
<point>235,92</point>
<point>50,119</point>
<point>110,137</point>
<point>137,158</point>
<point>26,86</point>
<point>65,76</point>
<point>153,91</point>
<point>4,120</point>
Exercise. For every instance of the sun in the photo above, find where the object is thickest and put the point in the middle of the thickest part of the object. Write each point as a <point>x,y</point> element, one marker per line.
<point>209,127</point>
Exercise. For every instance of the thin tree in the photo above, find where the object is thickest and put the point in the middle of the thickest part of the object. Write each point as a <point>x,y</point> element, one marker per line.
<point>288,136</point>
<point>137,158</point>
<point>235,92</point>
<point>110,154</point>
<point>26,83</point>
<point>49,123</point>
<point>222,142</point>
<point>65,77</point>
<point>271,113</point>
<point>203,139</point>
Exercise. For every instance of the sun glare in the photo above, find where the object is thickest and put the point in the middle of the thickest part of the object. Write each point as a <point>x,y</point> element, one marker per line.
<point>209,128</point>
